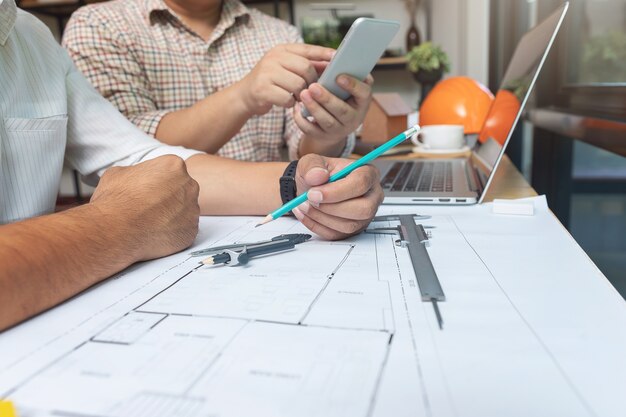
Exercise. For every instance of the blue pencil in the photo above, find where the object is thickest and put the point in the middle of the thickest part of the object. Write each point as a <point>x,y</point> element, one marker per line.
<point>365,159</point>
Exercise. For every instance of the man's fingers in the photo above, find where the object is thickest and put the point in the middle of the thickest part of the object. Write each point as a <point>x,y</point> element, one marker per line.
<point>340,224</point>
<point>310,52</point>
<point>360,90</point>
<point>320,111</point>
<point>361,208</point>
<point>307,127</point>
<point>336,111</point>
<point>318,228</point>
<point>345,227</point>
<point>292,83</point>
<point>356,184</point>
<point>281,97</point>
<point>319,66</point>
<point>300,66</point>
<point>312,170</point>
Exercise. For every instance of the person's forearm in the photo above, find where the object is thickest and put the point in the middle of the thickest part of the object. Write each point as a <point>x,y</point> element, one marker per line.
<point>48,259</point>
<point>329,147</point>
<point>236,187</point>
<point>208,124</point>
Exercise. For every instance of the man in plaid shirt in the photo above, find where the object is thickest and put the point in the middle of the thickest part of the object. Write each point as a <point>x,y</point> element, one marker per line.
<point>216,76</point>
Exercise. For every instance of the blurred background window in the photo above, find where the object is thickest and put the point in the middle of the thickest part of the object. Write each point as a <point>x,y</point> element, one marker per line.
<point>597,49</point>
<point>574,149</point>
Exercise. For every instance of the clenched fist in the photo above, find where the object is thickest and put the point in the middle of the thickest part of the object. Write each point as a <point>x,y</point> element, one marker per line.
<point>158,202</point>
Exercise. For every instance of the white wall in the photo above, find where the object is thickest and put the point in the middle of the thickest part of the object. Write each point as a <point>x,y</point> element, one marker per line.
<point>382,9</point>
<point>461,27</point>
<point>385,80</point>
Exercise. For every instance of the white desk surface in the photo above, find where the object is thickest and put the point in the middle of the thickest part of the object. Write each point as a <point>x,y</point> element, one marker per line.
<point>532,328</point>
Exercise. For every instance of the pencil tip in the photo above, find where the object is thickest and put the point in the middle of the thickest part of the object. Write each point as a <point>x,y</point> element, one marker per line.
<point>267,219</point>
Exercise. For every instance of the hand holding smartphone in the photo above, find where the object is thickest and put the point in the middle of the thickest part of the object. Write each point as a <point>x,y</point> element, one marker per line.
<point>357,54</point>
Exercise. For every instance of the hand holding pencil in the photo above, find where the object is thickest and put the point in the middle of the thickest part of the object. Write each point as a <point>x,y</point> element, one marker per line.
<point>338,197</point>
<point>340,209</point>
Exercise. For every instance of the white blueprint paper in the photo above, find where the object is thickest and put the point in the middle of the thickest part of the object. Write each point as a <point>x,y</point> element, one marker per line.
<point>531,327</point>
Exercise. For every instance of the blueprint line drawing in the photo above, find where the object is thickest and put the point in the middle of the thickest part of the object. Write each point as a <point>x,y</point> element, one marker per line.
<point>328,329</point>
<point>196,334</point>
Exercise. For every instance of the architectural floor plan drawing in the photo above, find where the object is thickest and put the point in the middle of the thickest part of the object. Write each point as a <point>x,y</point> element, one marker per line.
<point>327,329</point>
<point>261,290</point>
<point>272,332</point>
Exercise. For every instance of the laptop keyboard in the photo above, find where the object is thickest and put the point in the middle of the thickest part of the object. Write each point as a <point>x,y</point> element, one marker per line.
<point>419,176</point>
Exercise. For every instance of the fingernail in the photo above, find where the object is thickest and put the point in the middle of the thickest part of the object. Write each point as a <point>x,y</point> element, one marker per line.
<point>324,170</point>
<point>343,81</point>
<point>297,213</point>
<point>305,96</point>
<point>315,90</point>
<point>315,196</point>
<point>304,207</point>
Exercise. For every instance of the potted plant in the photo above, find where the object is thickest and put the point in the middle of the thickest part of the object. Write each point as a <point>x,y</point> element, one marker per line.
<point>428,62</point>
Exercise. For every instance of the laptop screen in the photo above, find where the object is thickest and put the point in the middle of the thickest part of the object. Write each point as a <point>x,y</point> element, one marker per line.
<point>514,91</point>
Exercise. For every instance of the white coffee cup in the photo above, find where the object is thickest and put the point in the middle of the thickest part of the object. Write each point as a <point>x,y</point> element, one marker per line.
<point>440,137</point>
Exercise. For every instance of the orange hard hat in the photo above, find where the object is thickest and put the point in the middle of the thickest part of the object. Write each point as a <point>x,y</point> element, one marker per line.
<point>501,117</point>
<point>458,101</point>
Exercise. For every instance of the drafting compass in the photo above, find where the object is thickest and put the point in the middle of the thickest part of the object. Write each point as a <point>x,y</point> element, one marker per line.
<point>415,239</point>
<point>240,253</point>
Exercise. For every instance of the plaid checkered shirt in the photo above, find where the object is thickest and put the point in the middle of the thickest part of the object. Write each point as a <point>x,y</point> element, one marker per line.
<point>141,57</point>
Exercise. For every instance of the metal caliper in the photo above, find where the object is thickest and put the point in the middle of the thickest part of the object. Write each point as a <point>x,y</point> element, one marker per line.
<point>415,239</point>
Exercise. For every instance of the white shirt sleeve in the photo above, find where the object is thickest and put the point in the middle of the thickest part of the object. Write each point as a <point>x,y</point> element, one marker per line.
<point>99,137</point>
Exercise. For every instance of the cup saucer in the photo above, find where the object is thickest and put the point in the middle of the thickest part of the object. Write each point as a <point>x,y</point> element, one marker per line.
<point>421,149</point>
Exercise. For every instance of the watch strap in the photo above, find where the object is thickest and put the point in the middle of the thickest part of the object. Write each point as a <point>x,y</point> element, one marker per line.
<point>288,189</point>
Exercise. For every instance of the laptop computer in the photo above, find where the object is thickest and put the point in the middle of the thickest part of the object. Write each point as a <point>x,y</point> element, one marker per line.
<point>466,180</point>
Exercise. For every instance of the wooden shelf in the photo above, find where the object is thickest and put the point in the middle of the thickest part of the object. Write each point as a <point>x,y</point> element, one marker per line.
<point>598,131</point>
<point>392,63</point>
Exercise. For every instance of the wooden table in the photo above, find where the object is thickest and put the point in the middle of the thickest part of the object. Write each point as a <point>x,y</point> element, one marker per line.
<point>508,182</point>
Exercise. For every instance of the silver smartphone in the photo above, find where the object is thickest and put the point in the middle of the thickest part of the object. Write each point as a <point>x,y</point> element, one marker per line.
<point>358,53</point>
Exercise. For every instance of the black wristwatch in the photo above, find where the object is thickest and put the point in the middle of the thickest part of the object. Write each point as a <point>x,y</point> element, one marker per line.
<point>288,189</point>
